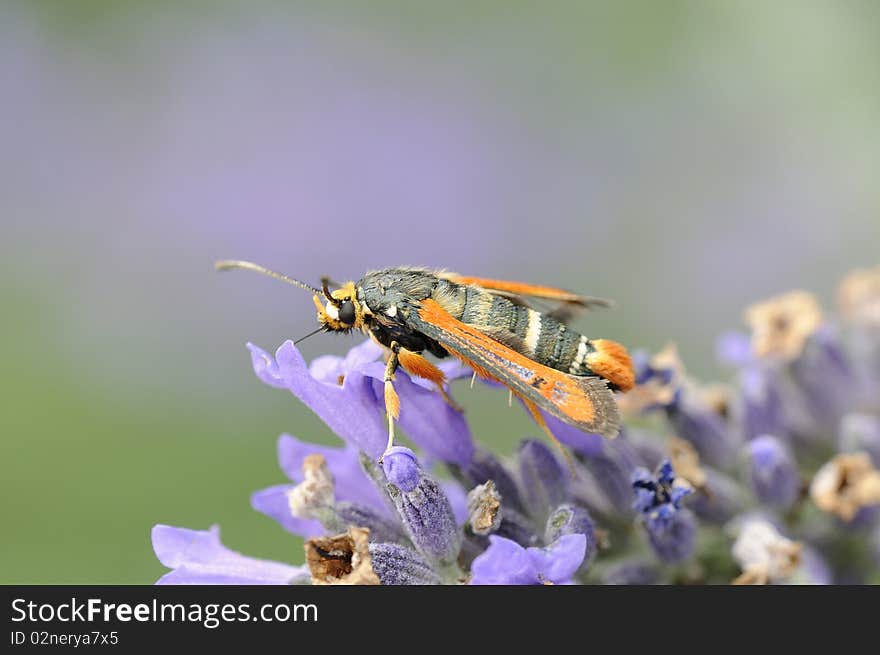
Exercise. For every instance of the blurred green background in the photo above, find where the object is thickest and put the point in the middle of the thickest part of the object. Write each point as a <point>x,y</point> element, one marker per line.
<point>684,158</point>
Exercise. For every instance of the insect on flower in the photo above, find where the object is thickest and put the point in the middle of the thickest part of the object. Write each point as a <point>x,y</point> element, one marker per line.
<point>491,326</point>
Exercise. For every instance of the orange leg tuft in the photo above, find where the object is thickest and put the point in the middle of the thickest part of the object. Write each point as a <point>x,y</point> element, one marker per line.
<point>418,366</point>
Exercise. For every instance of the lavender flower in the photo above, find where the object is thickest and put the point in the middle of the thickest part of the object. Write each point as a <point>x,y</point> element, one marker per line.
<point>605,482</point>
<point>772,471</point>
<point>760,407</point>
<point>571,519</point>
<point>544,477</point>
<point>803,412</point>
<point>351,485</point>
<point>662,384</point>
<point>398,565</point>
<point>423,508</point>
<point>347,394</point>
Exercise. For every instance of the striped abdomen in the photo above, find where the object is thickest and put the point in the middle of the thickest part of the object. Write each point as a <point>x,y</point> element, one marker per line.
<point>538,336</point>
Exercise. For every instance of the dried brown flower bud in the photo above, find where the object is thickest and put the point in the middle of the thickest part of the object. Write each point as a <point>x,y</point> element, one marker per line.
<point>782,325</point>
<point>343,559</point>
<point>845,485</point>
<point>484,508</point>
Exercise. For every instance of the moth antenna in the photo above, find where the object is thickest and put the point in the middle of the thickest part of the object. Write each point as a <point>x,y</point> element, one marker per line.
<point>230,264</point>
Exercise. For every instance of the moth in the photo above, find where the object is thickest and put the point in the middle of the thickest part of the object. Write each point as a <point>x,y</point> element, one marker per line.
<point>493,326</point>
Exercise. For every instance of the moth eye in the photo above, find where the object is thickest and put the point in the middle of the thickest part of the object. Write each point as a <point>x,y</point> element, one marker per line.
<point>346,312</point>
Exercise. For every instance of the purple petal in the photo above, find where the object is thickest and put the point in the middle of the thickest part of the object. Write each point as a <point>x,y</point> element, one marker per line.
<point>581,442</point>
<point>427,418</point>
<point>401,468</point>
<point>198,557</point>
<point>349,480</point>
<point>266,367</point>
<point>273,503</point>
<point>457,500</point>
<point>353,411</point>
<point>503,562</point>
<point>571,519</point>
<point>559,561</point>
<point>329,368</point>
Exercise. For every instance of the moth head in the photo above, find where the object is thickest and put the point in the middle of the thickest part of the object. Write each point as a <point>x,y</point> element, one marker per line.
<point>339,310</point>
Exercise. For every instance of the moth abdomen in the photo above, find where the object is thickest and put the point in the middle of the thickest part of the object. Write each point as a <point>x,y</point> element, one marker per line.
<point>539,336</point>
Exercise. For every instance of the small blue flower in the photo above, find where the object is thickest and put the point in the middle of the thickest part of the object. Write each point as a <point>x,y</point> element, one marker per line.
<point>671,530</point>
<point>505,562</point>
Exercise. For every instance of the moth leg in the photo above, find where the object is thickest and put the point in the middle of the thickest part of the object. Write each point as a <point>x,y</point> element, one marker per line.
<point>392,400</point>
<point>539,419</point>
<point>449,400</point>
<point>418,366</point>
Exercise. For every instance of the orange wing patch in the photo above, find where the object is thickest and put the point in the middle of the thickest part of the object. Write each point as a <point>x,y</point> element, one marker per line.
<point>582,401</point>
<point>522,289</point>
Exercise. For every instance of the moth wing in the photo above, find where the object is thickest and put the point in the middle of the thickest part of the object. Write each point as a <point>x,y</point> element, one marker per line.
<point>585,402</point>
<point>566,304</point>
